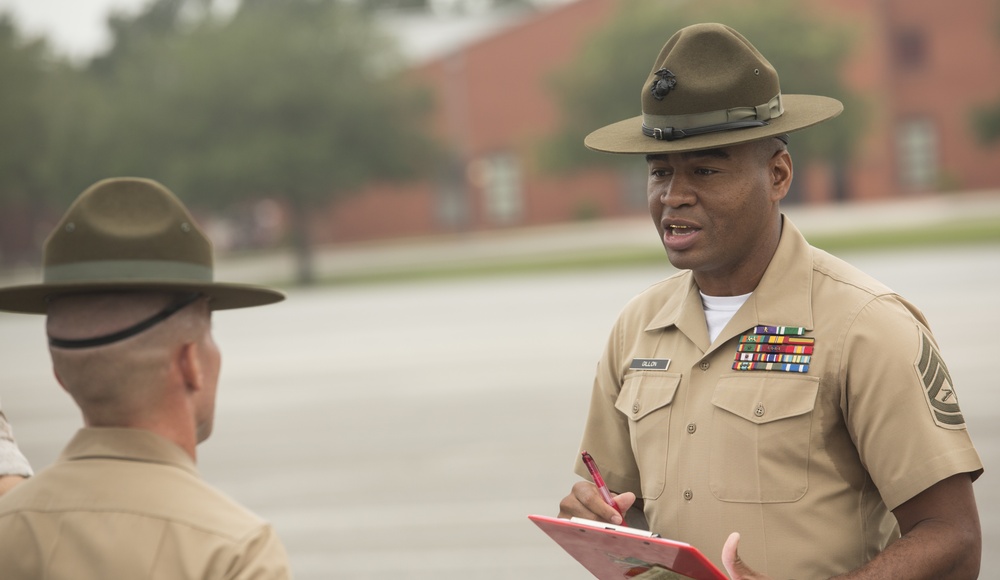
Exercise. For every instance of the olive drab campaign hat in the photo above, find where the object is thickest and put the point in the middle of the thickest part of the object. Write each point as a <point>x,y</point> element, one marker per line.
<point>129,234</point>
<point>710,87</point>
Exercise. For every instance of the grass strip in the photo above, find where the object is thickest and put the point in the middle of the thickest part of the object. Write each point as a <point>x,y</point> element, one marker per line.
<point>954,233</point>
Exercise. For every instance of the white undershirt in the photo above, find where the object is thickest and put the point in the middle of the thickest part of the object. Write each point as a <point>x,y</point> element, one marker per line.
<point>719,310</point>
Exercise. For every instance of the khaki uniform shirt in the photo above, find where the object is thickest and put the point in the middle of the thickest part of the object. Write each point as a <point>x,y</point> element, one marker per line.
<point>125,503</point>
<point>805,465</point>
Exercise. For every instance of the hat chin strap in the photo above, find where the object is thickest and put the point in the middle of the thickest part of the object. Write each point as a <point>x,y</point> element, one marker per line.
<point>131,331</point>
<point>673,127</point>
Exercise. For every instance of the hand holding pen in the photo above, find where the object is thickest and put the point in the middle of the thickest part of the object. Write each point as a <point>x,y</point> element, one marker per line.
<point>602,488</point>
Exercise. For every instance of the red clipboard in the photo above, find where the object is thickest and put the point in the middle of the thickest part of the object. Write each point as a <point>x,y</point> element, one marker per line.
<point>612,552</point>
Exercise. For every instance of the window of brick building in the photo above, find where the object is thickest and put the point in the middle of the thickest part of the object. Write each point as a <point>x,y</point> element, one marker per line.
<point>451,197</point>
<point>499,176</point>
<point>910,49</point>
<point>917,149</point>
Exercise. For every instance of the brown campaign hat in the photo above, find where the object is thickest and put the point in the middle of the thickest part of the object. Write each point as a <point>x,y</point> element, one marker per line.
<point>710,87</point>
<point>129,234</point>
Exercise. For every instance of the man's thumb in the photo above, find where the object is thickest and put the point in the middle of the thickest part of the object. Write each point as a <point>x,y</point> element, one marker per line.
<point>731,558</point>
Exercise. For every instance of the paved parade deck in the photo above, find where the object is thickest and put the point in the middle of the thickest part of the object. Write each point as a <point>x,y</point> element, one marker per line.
<point>407,430</point>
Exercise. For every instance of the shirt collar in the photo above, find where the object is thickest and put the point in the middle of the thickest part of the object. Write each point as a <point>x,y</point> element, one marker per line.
<point>126,444</point>
<point>784,295</point>
<point>782,298</point>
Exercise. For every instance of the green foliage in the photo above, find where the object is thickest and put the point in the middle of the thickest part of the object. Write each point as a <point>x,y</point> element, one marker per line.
<point>986,123</point>
<point>603,84</point>
<point>303,100</point>
<point>76,113</point>
<point>986,119</point>
<point>300,99</point>
<point>24,73</point>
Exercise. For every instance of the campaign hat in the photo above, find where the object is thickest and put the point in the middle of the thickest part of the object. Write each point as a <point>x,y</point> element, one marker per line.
<point>129,234</point>
<point>710,87</point>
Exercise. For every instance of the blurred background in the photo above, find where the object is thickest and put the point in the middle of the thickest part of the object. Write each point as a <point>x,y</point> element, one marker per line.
<point>294,125</point>
<point>412,173</point>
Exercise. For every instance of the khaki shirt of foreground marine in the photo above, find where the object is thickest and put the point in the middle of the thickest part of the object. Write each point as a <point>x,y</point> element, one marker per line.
<point>134,495</point>
<point>806,465</point>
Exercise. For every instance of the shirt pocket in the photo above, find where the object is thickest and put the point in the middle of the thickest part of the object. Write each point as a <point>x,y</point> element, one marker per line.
<point>761,431</point>
<point>645,399</point>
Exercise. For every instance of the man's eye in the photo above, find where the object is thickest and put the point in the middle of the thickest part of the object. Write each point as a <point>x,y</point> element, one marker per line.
<point>705,171</point>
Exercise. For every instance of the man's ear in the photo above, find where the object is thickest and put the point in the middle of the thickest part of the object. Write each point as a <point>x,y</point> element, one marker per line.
<point>189,364</point>
<point>780,168</point>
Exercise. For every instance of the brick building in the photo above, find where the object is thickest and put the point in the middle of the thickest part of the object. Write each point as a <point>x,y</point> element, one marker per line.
<point>924,66</point>
<point>921,65</point>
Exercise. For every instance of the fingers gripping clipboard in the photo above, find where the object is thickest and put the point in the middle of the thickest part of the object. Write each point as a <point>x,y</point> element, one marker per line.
<point>612,552</point>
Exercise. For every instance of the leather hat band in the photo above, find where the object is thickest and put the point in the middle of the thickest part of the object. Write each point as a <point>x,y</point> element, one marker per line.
<point>672,127</point>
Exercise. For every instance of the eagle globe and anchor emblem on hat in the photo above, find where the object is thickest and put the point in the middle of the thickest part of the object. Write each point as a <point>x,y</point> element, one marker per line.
<point>709,87</point>
<point>665,81</point>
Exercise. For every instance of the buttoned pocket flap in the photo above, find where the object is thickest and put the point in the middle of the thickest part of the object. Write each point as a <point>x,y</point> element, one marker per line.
<point>646,391</point>
<point>765,399</point>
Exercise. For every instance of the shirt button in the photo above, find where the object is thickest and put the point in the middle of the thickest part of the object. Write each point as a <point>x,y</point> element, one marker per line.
<point>759,411</point>
<point>692,428</point>
<point>635,407</point>
<point>688,494</point>
<point>704,365</point>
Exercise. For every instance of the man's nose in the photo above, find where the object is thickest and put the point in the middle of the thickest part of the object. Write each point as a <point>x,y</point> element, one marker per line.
<point>678,192</point>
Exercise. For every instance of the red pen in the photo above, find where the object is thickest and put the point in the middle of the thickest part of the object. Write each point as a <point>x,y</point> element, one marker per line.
<point>599,482</point>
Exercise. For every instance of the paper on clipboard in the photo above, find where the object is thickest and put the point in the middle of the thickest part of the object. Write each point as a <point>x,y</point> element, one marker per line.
<point>612,552</point>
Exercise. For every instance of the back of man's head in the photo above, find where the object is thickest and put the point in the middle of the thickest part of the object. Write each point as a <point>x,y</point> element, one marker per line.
<point>121,383</point>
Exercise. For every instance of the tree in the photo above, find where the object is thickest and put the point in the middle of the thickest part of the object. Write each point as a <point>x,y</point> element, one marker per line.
<point>986,119</point>
<point>602,85</point>
<point>302,100</point>
<point>25,67</point>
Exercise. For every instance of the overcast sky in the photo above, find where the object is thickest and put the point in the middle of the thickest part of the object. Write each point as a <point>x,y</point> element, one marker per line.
<point>77,27</point>
<point>74,27</point>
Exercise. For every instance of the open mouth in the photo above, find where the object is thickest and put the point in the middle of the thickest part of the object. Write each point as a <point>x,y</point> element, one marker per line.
<point>679,236</point>
<point>677,230</point>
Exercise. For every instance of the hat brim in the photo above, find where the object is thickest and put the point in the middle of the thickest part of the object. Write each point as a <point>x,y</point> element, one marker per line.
<point>800,111</point>
<point>34,298</point>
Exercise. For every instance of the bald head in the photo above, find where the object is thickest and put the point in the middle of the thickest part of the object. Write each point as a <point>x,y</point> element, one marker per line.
<point>117,382</point>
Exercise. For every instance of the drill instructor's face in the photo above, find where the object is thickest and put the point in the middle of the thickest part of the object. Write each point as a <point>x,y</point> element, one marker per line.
<point>716,211</point>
